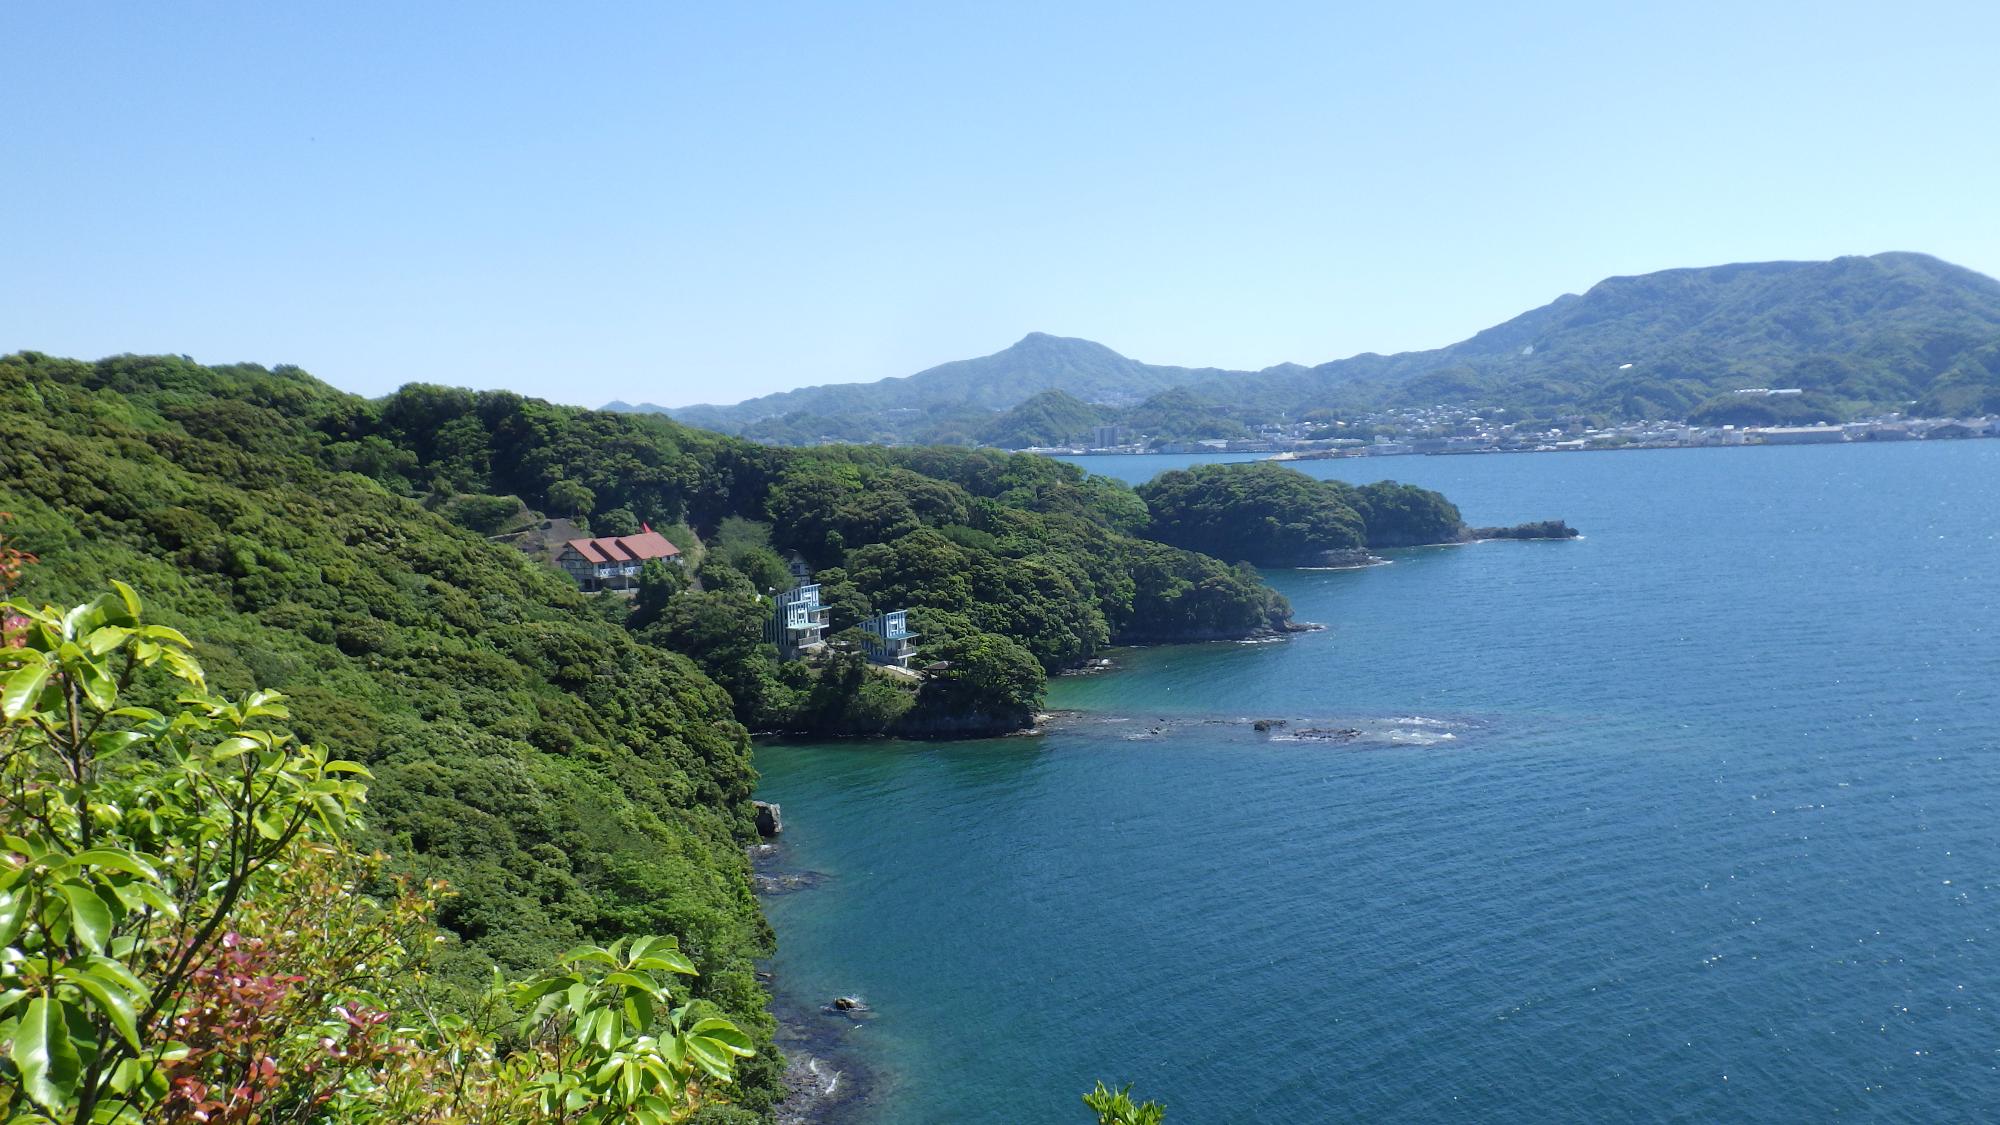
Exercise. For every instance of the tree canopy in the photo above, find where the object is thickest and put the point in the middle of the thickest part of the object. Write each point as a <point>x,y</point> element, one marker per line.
<point>1270,514</point>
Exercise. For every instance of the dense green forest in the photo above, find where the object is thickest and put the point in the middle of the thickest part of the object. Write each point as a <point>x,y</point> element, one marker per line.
<point>1273,515</point>
<point>1889,332</point>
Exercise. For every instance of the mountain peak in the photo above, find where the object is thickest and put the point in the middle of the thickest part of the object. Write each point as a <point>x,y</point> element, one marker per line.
<point>1044,343</point>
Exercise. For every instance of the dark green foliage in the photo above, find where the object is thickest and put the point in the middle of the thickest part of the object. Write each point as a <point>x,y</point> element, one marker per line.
<point>1184,596</point>
<point>977,683</point>
<point>845,696</point>
<point>659,581</point>
<point>1403,515</point>
<point>722,630</point>
<point>617,521</point>
<point>1970,387</point>
<point>1053,417</point>
<point>848,604</point>
<point>1181,415</point>
<point>1261,511</point>
<point>569,783</point>
<point>1273,515</point>
<point>487,515</point>
<point>744,546</point>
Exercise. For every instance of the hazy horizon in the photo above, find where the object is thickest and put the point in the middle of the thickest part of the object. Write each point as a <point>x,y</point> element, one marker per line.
<point>681,206</point>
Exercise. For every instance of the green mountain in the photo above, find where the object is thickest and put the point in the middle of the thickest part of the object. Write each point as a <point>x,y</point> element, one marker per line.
<point>1875,331</point>
<point>1047,418</point>
<point>1857,333</point>
<point>918,405</point>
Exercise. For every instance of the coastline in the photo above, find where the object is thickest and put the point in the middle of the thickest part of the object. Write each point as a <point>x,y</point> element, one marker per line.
<point>827,1078</point>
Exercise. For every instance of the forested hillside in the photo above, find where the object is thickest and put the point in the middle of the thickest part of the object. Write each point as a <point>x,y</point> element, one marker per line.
<point>569,782</point>
<point>1859,332</point>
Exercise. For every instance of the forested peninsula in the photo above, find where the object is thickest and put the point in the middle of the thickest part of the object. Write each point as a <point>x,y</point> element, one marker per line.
<point>1271,515</point>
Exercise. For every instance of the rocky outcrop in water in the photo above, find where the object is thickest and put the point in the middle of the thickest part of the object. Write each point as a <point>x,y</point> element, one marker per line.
<point>1351,558</point>
<point>783,883</point>
<point>770,819</point>
<point>1542,529</point>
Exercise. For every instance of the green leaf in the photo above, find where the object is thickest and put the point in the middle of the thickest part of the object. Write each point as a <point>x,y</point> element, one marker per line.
<point>725,1034</point>
<point>667,960</point>
<point>98,685</point>
<point>166,633</point>
<point>44,1056</point>
<point>182,665</point>
<point>588,954</point>
<point>234,747</point>
<point>146,896</point>
<point>111,998</point>
<point>129,597</point>
<point>13,915</point>
<point>80,618</point>
<point>89,918</point>
<point>118,974</point>
<point>23,686</point>
<point>711,1056</point>
<point>106,639</point>
<point>638,981</point>
<point>113,859</point>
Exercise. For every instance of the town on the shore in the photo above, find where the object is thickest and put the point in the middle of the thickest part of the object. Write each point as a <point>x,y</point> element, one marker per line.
<point>1455,429</point>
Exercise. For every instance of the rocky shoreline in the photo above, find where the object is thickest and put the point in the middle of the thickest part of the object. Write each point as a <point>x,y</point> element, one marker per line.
<point>827,1078</point>
<point>827,1082</point>
<point>1355,558</point>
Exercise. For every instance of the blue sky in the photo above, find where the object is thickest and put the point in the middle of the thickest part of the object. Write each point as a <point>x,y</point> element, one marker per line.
<point>683,203</point>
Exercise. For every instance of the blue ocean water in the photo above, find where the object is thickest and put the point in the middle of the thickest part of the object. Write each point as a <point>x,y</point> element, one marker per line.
<point>1694,819</point>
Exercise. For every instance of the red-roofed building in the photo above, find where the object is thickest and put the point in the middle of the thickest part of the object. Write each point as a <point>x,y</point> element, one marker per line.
<point>613,562</point>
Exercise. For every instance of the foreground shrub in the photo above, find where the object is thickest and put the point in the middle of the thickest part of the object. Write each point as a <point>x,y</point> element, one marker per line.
<point>187,938</point>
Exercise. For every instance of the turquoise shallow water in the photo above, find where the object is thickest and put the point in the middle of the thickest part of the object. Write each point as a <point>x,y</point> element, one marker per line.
<point>1714,835</point>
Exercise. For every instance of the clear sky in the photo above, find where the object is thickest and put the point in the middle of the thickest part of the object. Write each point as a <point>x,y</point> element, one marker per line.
<point>683,202</point>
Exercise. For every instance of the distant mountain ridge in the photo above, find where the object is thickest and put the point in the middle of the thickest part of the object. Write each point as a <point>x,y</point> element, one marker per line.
<point>1037,362</point>
<point>1856,332</point>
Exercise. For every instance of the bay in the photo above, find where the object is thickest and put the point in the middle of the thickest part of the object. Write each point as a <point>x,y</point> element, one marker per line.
<point>1695,818</point>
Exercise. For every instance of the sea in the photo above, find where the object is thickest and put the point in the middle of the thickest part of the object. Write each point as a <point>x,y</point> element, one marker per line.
<point>1695,818</point>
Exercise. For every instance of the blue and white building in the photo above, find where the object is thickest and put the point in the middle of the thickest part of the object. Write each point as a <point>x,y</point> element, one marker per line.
<point>889,638</point>
<point>798,621</point>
